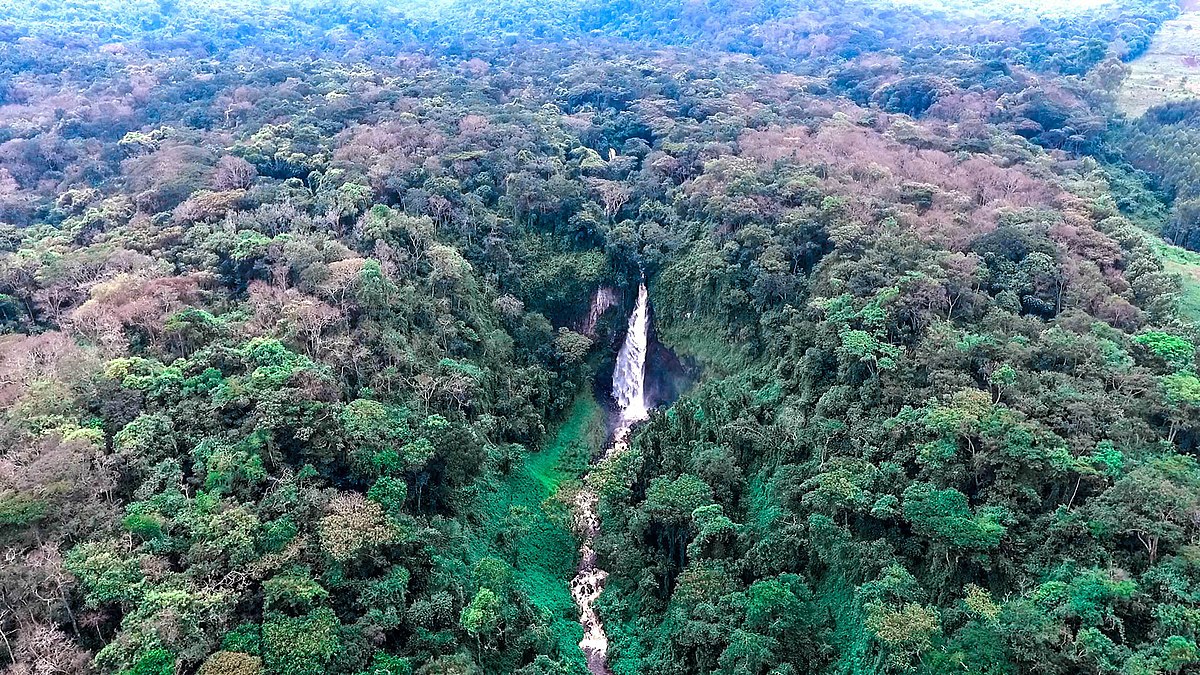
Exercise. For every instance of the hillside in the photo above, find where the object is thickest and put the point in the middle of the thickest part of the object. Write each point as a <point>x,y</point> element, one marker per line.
<point>1170,69</point>
<point>627,336</point>
<point>1187,265</point>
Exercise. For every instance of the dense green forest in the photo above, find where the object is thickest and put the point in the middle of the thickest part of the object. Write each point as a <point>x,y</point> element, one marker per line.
<point>297,372</point>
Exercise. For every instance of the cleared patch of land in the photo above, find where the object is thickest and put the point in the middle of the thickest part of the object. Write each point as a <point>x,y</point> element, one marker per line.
<point>1170,69</point>
<point>1187,265</point>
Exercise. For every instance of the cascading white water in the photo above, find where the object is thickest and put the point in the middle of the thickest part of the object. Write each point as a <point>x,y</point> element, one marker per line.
<point>629,391</point>
<point>629,377</point>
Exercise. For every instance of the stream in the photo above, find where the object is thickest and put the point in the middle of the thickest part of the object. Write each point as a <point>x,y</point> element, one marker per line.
<point>629,391</point>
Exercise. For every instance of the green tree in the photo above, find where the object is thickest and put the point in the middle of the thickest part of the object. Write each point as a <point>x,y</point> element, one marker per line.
<point>303,645</point>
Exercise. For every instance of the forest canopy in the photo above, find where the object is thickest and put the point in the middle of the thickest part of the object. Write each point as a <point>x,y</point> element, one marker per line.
<point>309,315</point>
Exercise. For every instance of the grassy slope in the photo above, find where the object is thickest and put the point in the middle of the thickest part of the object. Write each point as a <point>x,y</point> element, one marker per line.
<point>1187,265</point>
<point>546,555</point>
<point>1170,69</point>
<point>702,341</point>
<point>1148,210</point>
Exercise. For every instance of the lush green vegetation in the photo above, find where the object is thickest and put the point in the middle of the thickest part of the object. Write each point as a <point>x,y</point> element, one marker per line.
<point>528,514</point>
<point>294,379</point>
<point>1166,143</point>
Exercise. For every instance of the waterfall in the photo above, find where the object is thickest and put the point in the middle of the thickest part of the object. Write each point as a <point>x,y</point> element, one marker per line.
<point>629,391</point>
<point>629,377</point>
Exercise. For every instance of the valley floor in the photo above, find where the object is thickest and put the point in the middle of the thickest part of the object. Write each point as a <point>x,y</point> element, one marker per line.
<point>1170,69</point>
<point>543,551</point>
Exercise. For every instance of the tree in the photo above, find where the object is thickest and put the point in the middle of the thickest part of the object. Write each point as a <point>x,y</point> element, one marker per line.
<point>669,506</point>
<point>303,645</point>
<point>944,515</point>
<point>352,524</point>
<point>1152,504</point>
<point>905,632</point>
<point>482,615</point>
<point>1175,351</point>
<point>231,663</point>
<point>233,173</point>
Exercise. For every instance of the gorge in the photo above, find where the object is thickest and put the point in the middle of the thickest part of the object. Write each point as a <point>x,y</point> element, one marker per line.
<point>629,392</point>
